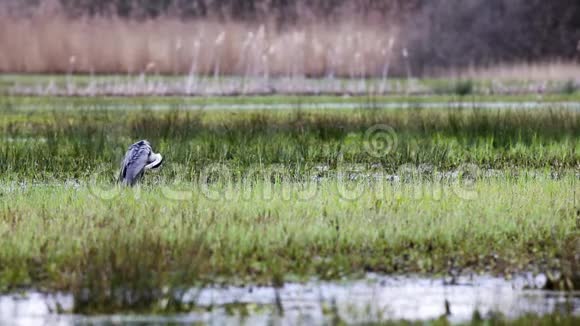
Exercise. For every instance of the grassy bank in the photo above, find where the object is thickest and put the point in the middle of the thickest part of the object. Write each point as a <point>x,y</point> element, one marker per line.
<point>264,228</point>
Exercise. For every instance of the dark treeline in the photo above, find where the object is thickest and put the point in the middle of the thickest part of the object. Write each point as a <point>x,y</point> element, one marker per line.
<point>436,33</point>
<point>456,33</point>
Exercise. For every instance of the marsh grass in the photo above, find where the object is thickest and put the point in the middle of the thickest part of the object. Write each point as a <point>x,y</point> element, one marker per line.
<point>268,196</point>
<point>461,87</point>
<point>570,87</point>
<point>73,144</point>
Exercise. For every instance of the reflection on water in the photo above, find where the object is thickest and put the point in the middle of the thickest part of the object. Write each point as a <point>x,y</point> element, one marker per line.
<point>374,298</point>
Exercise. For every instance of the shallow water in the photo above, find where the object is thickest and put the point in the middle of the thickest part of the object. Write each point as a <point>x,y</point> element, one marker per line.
<point>194,85</point>
<point>373,298</point>
<point>572,106</point>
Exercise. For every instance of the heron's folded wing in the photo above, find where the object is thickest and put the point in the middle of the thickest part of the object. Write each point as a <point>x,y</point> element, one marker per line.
<point>134,162</point>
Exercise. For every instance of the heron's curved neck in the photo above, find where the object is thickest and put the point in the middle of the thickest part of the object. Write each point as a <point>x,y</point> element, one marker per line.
<point>155,163</point>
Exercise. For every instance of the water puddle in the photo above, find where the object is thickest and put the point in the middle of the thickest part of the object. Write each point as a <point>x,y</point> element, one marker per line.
<point>374,298</point>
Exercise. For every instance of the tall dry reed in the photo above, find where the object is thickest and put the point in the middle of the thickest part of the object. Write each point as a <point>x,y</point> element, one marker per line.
<point>59,44</point>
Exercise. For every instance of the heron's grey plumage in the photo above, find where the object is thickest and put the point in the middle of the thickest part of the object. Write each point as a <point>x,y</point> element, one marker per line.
<point>139,157</point>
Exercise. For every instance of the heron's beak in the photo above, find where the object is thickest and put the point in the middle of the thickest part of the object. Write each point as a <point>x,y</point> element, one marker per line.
<point>157,161</point>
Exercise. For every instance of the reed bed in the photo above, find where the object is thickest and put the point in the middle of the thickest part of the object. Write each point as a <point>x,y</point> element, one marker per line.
<point>208,47</point>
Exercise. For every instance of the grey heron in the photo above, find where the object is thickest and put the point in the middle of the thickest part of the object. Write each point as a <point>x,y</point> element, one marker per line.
<point>139,158</point>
